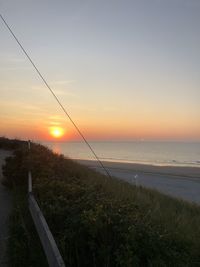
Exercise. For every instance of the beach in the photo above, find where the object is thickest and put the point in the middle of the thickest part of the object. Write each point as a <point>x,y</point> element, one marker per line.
<point>179,182</point>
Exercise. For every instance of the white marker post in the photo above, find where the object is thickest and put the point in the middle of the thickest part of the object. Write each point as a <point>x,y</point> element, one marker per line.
<point>135,178</point>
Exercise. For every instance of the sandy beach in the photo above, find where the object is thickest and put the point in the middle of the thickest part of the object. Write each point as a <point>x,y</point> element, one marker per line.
<point>180,182</point>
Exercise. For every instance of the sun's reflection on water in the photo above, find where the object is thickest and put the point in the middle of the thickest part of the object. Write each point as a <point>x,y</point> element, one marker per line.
<point>56,148</point>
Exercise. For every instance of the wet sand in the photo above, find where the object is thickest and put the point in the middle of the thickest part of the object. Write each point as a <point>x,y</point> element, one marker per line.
<point>180,182</point>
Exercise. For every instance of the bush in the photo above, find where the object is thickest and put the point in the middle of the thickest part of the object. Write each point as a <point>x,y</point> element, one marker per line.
<point>100,221</point>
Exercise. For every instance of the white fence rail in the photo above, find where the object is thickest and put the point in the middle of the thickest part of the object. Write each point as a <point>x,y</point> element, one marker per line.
<point>52,253</point>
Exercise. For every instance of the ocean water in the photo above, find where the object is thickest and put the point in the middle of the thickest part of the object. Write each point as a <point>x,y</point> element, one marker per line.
<point>153,153</point>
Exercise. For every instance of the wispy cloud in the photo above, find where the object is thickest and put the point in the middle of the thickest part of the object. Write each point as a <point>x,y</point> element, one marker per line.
<point>64,92</point>
<point>11,58</point>
<point>16,108</point>
<point>54,117</point>
<point>18,104</point>
<point>16,68</point>
<point>59,92</point>
<point>109,109</point>
<point>55,123</point>
<point>63,82</point>
<point>55,120</point>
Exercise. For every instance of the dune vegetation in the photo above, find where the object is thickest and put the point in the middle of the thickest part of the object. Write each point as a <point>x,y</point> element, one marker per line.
<point>96,220</point>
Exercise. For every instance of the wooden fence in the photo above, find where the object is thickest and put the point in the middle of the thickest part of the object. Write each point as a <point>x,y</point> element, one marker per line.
<point>52,253</point>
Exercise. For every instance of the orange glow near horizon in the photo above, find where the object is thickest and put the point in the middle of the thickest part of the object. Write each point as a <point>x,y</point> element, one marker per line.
<point>132,78</point>
<point>152,130</point>
<point>56,132</point>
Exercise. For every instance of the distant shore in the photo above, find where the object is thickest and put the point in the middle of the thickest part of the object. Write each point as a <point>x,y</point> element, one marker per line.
<point>176,154</point>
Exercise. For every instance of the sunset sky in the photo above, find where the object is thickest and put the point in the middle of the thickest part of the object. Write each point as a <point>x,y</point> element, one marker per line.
<point>123,69</point>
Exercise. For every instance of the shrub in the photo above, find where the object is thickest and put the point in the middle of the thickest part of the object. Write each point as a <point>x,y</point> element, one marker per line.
<point>100,221</point>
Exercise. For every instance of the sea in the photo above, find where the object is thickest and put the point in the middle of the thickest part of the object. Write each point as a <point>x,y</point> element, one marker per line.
<point>141,152</point>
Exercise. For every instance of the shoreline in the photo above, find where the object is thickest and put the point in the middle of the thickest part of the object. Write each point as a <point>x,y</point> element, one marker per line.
<point>148,163</point>
<point>179,182</point>
<point>179,171</point>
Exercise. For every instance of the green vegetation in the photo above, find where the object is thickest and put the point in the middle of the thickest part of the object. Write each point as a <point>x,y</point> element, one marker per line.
<point>100,221</point>
<point>24,246</point>
<point>8,144</point>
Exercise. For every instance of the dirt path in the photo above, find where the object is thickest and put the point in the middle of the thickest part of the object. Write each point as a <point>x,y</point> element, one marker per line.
<point>5,209</point>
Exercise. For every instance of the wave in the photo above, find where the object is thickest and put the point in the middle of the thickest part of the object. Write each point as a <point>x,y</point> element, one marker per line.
<point>172,162</point>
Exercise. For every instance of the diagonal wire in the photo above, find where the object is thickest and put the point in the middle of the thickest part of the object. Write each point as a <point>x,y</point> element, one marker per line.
<point>54,95</point>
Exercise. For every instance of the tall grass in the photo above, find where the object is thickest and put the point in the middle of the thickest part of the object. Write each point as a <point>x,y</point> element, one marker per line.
<point>101,221</point>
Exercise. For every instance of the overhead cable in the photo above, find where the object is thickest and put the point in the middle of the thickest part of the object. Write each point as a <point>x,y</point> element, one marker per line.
<point>54,95</point>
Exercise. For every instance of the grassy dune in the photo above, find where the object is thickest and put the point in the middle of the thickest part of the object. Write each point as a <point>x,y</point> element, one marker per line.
<point>100,221</point>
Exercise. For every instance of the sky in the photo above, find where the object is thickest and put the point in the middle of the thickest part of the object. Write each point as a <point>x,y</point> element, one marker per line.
<point>123,69</point>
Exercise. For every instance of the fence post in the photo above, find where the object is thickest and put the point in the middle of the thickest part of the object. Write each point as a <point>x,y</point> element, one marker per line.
<point>29,182</point>
<point>29,144</point>
<point>29,172</point>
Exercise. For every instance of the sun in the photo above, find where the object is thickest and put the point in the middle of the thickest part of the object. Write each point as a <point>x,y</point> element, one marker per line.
<point>56,132</point>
